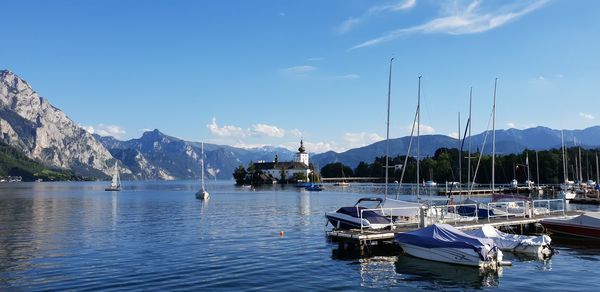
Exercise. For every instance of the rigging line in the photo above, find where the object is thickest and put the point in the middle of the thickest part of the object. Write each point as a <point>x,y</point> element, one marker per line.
<point>487,131</point>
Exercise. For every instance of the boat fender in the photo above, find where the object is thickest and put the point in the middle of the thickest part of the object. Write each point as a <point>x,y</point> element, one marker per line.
<point>505,263</point>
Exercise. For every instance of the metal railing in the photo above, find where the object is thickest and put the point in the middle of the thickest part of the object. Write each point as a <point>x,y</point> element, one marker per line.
<point>540,207</point>
<point>450,213</point>
<point>392,222</point>
<point>506,209</point>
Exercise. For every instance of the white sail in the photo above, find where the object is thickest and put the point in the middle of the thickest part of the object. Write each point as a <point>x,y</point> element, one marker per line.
<point>202,194</point>
<point>115,184</point>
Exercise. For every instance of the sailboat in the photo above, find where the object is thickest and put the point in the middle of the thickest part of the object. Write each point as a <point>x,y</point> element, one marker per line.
<point>566,191</point>
<point>115,184</point>
<point>342,183</point>
<point>202,194</point>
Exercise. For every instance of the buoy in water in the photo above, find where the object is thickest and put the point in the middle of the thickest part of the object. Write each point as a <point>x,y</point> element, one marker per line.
<point>281,233</point>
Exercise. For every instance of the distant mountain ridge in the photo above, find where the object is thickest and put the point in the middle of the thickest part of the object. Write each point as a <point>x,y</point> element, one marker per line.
<point>507,142</point>
<point>44,133</point>
<point>158,156</point>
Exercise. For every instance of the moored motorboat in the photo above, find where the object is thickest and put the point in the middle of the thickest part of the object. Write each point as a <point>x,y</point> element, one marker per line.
<point>314,188</point>
<point>533,245</point>
<point>444,243</point>
<point>359,216</point>
<point>584,225</point>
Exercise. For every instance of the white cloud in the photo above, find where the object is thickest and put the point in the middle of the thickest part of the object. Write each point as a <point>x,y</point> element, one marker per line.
<point>299,69</point>
<point>464,19</point>
<point>541,78</point>
<point>424,129</point>
<point>354,140</point>
<point>314,59</point>
<point>225,131</point>
<point>454,135</point>
<point>588,117</point>
<point>106,130</point>
<point>318,147</point>
<point>511,125</point>
<point>352,22</point>
<point>268,130</point>
<point>295,132</point>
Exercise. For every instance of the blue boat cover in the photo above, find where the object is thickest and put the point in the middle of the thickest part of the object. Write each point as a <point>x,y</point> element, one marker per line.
<point>445,236</point>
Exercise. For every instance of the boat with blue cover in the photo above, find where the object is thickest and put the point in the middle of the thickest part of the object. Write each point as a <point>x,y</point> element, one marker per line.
<point>444,243</point>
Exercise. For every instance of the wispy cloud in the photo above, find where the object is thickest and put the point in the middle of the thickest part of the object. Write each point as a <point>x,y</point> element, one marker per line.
<point>588,117</point>
<point>352,22</point>
<point>511,125</point>
<point>299,69</point>
<point>105,130</point>
<point>464,19</point>
<point>347,76</point>
<point>314,59</point>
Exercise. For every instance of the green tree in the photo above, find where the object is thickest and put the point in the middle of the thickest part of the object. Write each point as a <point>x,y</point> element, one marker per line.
<point>240,175</point>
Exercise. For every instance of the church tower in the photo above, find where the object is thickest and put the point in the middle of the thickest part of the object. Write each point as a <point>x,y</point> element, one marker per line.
<point>301,156</point>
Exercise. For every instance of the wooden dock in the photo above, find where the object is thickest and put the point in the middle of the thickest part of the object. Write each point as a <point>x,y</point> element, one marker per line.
<point>474,192</point>
<point>363,242</point>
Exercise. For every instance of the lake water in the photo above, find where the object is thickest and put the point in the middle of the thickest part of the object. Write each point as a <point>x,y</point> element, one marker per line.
<point>157,236</point>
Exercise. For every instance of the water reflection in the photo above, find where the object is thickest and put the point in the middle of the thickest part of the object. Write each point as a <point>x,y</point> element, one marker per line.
<point>432,275</point>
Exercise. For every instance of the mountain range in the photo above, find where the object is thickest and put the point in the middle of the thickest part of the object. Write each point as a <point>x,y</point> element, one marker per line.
<point>42,132</point>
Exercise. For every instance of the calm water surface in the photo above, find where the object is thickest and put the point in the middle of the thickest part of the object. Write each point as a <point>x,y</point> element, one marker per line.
<point>157,236</point>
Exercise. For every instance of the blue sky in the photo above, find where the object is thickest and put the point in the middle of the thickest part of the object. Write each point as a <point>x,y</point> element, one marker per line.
<point>250,73</point>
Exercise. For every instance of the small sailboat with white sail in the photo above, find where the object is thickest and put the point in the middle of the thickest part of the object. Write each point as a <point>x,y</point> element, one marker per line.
<point>115,184</point>
<point>202,194</point>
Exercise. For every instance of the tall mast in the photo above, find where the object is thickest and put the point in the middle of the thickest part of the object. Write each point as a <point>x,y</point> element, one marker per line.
<point>580,166</point>
<point>387,136</point>
<point>202,167</point>
<point>564,161</point>
<point>597,170</point>
<point>469,156</point>
<point>528,172</point>
<point>537,168</point>
<point>418,134</point>
<point>459,155</point>
<point>494,138</point>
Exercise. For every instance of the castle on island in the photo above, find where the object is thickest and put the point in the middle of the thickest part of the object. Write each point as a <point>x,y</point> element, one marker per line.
<point>283,171</point>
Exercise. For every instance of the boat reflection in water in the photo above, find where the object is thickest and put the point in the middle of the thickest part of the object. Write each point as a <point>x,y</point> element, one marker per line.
<point>439,274</point>
<point>384,272</point>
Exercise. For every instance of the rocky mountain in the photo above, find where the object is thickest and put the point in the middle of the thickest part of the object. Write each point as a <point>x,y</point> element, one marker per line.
<point>159,156</point>
<point>43,132</point>
<point>507,142</point>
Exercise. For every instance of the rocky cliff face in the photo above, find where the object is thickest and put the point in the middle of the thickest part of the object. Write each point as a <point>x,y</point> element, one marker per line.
<point>43,132</point>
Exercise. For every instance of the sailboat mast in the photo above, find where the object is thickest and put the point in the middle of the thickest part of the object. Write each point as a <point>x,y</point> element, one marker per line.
<point>597,170</point>
<point>469,156</point>
<point>202,167</point>
<point>459,156</point>
<point>494,138</point>
<point>580,166</point>
<point>528,172</point>
<point>537,168</point>
<point>418,134</point>
<point>387,135</point>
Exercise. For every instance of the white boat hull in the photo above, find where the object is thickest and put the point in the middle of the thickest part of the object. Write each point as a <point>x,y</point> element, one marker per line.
<point>461,256</point>
<point>339,220</point>
<point>202,195</point>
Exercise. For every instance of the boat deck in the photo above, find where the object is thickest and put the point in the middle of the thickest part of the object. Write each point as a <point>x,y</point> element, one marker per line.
<point>365,238</point>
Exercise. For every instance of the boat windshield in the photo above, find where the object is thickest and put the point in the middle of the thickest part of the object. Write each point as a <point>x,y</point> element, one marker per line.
<point>369,203</point>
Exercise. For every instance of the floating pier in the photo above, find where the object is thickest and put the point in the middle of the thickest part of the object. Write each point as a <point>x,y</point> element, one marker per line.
<point>366,241</point>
